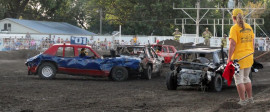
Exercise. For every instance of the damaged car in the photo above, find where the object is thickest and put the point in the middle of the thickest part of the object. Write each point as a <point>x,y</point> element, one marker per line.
<point>150,64</point>
<point>68,59</point>
<point>165,51</point>
<point>197,67</point>
<point>202,67</point>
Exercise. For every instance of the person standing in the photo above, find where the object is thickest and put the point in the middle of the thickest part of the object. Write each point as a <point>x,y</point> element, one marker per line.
<point>241,44</point>
<point>224,41</point>
<point>261,44</point>
<point>268,44</point>
<point>177,35</point>
<point>207,35</point>
<point>135,40</point>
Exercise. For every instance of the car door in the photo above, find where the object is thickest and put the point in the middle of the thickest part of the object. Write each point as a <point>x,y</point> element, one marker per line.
<point>171,53</point>
<point>155,60</point>
<point>66,60</point>
<point>166,54</point>
<point>90,64</point>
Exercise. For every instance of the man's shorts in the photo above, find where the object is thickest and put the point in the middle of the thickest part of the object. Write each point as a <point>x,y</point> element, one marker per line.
<point>243,76</point>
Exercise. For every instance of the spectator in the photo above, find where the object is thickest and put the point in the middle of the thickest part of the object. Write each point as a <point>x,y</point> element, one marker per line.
<point>109,45</point>
<point>267,43</point>
<point>58,40</point>
<point>98,43</point>
<point>131,42</point>
<point>157,40</point>
<point>62,40</point>
<point>135,38</point>
<point>122,42</point>
<point>67,40</point>
<point>261,44</point>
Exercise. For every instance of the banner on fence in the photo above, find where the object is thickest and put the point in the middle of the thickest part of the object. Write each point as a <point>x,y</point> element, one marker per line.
<point>78,40</point>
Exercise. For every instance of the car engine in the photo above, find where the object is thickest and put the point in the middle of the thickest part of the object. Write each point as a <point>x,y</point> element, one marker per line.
<point>187,77</point>
<point>190,77</point>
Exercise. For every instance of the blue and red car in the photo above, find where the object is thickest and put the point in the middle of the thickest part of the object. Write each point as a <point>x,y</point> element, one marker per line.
<point>65,58</point>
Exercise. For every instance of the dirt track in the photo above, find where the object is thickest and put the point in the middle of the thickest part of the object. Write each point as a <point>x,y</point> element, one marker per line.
<point>69,93</point>
<point>20,92</point>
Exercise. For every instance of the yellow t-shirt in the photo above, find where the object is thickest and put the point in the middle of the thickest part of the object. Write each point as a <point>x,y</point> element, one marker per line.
<point>244,44</point>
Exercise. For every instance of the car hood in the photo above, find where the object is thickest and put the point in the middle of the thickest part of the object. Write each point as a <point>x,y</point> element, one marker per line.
<point>33,58</point>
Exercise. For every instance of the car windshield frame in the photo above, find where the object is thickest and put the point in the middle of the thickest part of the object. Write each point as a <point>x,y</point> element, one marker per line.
<point>214,57</point>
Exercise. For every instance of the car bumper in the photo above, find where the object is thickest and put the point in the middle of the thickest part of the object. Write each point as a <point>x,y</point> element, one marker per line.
<point>31,69</point>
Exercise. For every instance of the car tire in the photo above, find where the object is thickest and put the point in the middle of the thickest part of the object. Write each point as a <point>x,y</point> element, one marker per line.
<point>147,73</point>
<point>47,71</point>
<point>171,82</point>
<point>216,83</point>
<point>119,74</point>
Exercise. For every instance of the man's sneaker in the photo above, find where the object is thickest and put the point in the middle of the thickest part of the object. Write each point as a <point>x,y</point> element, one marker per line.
<point>250,100</point>
<point>242,102</point>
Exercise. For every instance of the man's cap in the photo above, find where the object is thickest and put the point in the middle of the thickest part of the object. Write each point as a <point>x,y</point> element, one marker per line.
<point>176,29</point>
<point>237,11</point>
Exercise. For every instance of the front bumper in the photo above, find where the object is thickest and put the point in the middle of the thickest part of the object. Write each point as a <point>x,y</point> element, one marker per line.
<point>31,68</point>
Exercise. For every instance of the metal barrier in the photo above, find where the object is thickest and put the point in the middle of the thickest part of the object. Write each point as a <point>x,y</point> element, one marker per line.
<point>13,43</point>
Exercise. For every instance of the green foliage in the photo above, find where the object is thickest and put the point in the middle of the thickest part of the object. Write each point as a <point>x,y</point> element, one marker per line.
<point>141,17</point>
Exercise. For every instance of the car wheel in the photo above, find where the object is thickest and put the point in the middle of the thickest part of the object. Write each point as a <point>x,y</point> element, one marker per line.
<point>148,73</point>
<point>216,83</point>
<point>47,71</point>
<point>119,74</point>
<point>171,82</point>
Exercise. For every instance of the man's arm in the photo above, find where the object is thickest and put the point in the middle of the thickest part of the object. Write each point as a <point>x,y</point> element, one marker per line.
<point>231,49</point>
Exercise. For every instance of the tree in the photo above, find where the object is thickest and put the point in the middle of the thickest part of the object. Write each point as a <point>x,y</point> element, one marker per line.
<point>13,8</point>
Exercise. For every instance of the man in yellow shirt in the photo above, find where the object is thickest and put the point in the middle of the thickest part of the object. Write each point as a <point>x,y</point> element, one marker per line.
<point>242,44</point>
<point>135,40</point>
<point>177,35</point>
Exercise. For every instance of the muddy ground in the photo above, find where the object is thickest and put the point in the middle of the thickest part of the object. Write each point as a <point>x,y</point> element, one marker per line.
<point>20,92</point>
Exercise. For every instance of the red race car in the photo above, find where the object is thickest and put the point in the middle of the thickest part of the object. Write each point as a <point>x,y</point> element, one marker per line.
<point>165,51</point>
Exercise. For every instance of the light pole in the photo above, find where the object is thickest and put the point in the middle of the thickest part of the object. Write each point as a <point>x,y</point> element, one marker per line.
<point>100,21</point>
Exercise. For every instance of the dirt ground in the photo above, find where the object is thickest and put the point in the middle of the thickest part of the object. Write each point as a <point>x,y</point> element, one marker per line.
<point>20,92</point>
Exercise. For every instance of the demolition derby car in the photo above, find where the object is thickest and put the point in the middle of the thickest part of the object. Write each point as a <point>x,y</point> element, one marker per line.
<point>66,58</point>
<point>151,63</point>
<point>165,51</point>
<point>199,67</point>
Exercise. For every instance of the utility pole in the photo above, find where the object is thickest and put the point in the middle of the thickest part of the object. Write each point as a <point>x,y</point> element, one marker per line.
<point>222,23</point>
<point>100,22</point>
<point>198,19</point>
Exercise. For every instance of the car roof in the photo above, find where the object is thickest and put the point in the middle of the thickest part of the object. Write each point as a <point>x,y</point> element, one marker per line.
<point>68,44</point>
<point>199,50</point>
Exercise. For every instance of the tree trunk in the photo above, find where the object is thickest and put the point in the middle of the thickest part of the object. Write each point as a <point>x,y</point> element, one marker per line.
<point>236,3</point>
